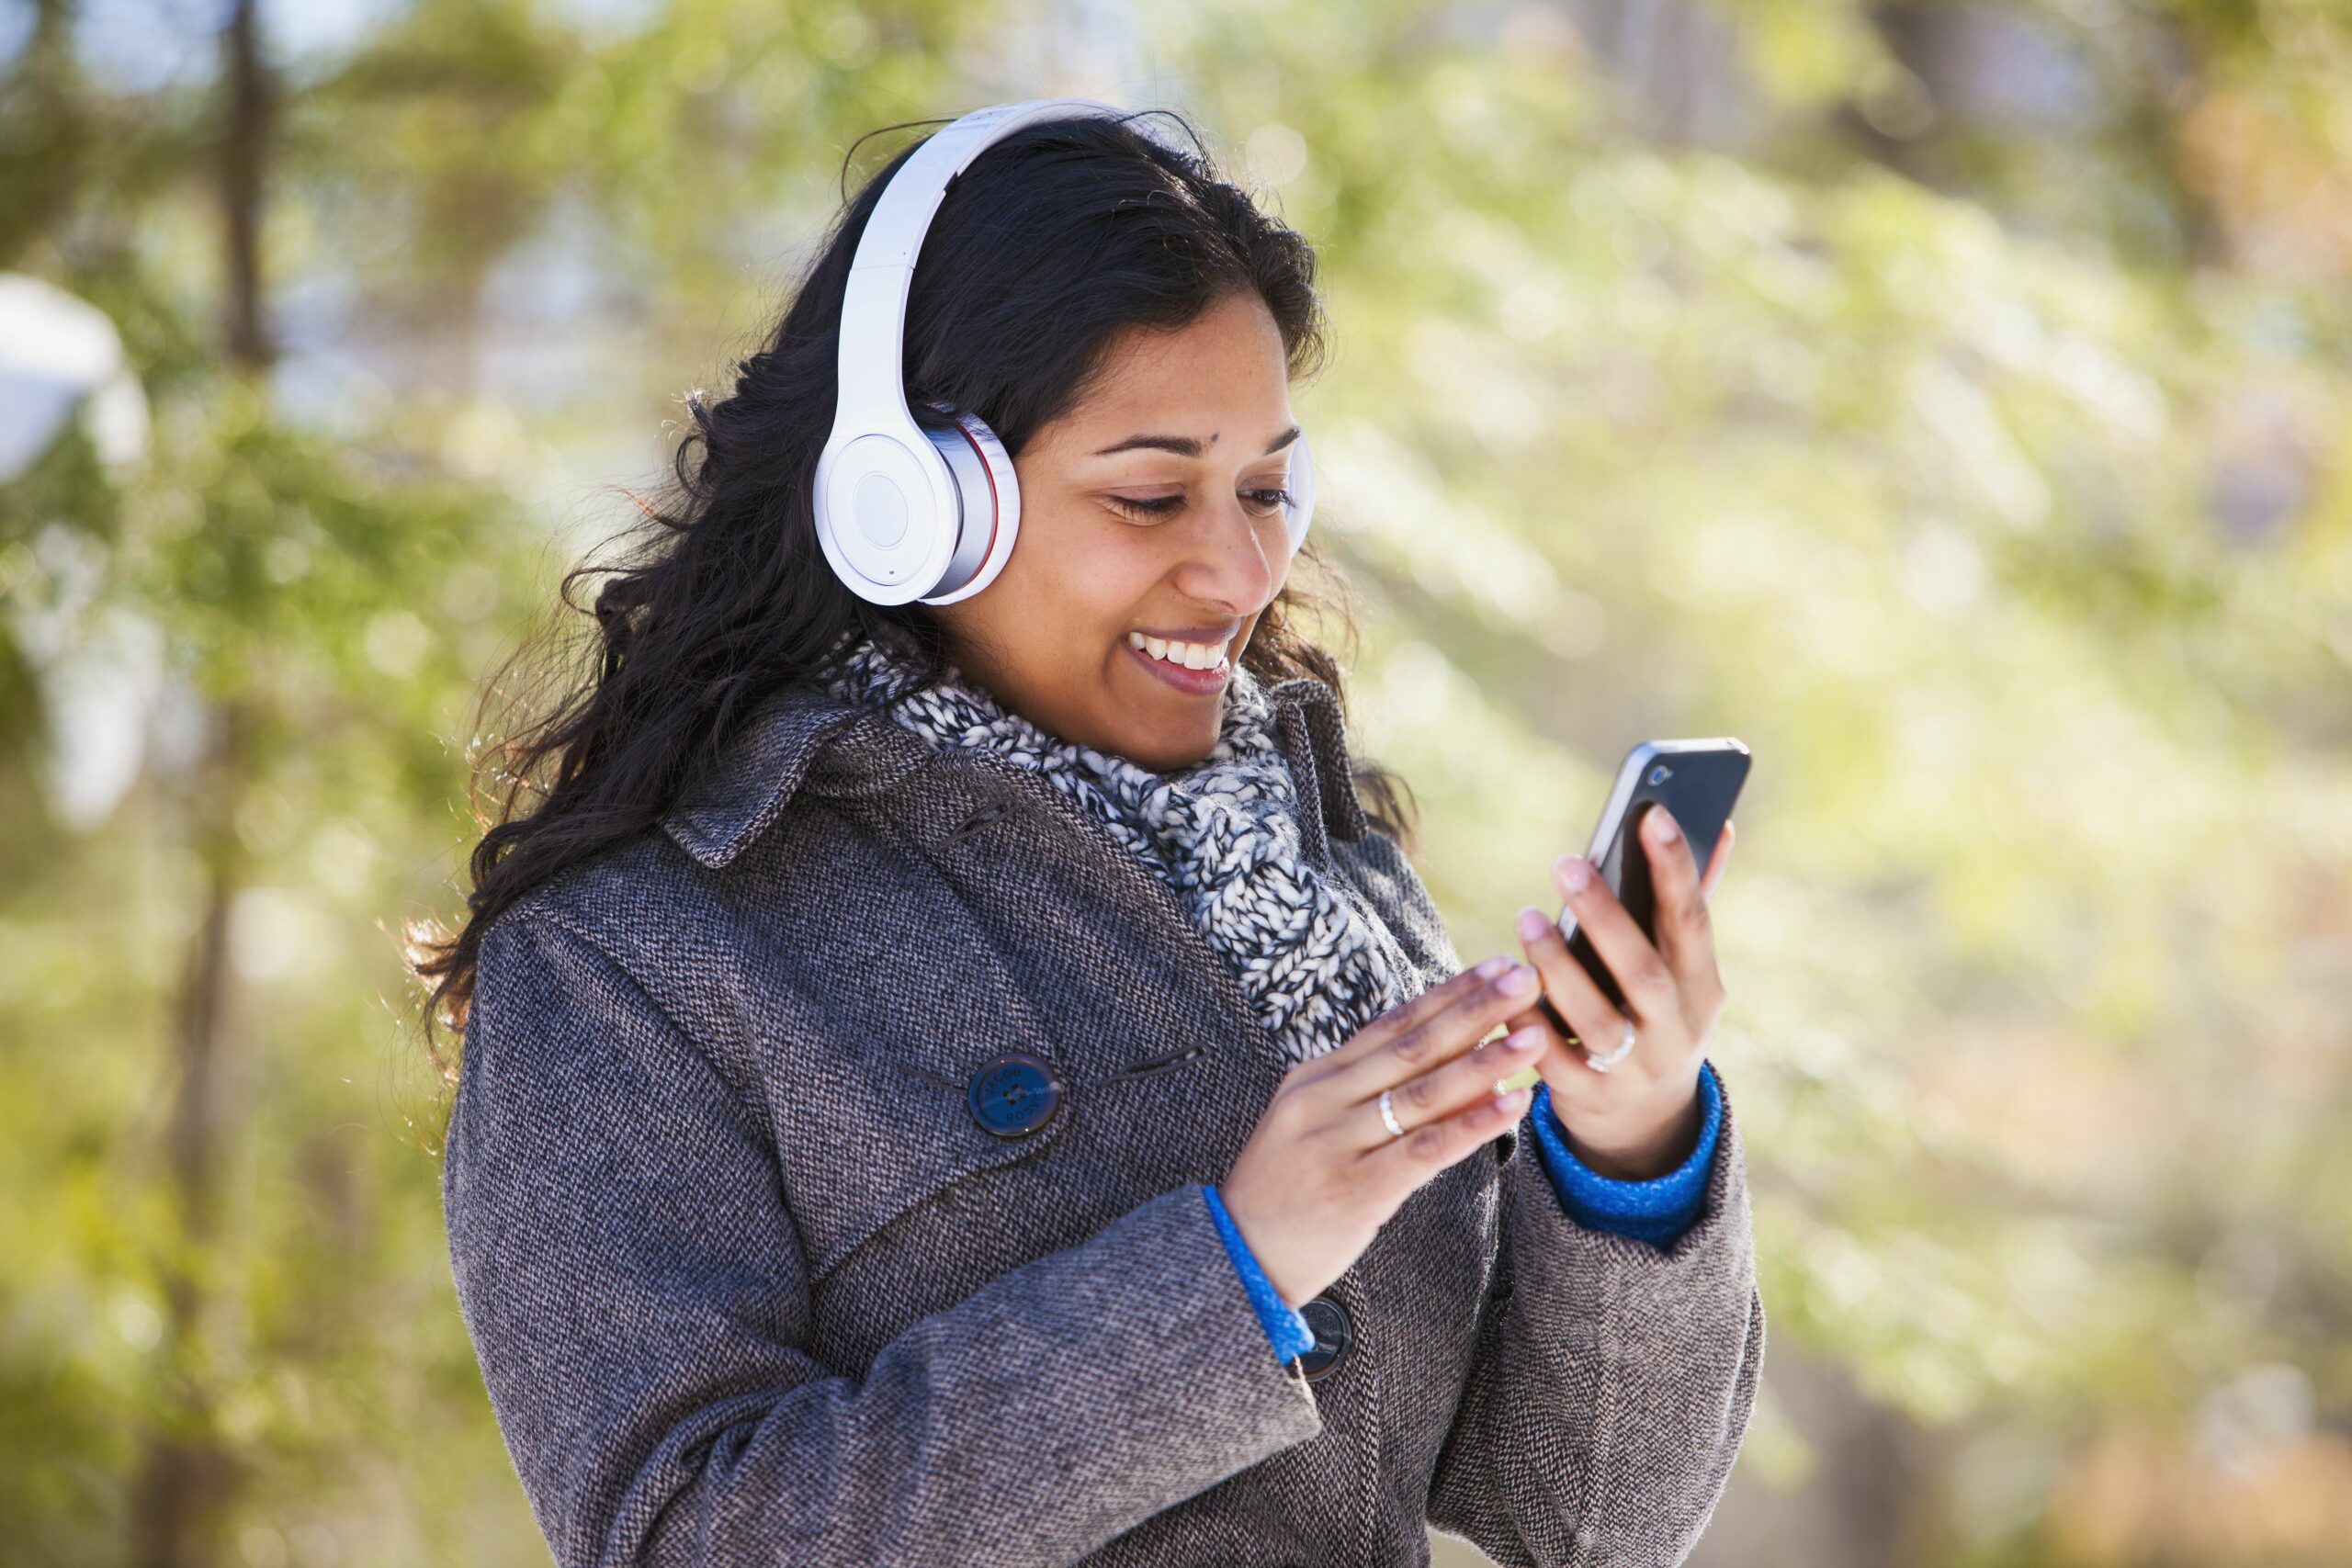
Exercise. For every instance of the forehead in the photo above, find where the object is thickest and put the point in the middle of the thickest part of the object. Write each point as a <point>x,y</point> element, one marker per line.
<point>1226,364</point>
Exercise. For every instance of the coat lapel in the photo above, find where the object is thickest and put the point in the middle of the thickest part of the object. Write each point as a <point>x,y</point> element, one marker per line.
<point>799,734</point>
<point>723,809</point>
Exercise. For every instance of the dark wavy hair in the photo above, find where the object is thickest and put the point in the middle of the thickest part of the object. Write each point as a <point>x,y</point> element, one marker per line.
<point>1057,240</point>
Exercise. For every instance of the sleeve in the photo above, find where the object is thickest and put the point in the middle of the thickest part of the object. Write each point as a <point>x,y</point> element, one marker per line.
<point>1655,1211</point>
<point>1613,1378</point>
<point>628,1271</point>
<point>1285,1325</point>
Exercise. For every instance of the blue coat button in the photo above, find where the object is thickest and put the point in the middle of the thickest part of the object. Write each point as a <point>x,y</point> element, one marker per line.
<point>1014,1095</point>
<point>1333,1337</point>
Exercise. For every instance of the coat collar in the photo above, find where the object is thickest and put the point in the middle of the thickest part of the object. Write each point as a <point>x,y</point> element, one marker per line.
<point>803,737</point>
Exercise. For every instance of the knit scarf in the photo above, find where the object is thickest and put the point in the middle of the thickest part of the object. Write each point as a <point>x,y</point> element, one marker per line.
<point>1223,832</point>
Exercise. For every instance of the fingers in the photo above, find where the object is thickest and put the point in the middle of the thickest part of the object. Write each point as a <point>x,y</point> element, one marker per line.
<point>1589,1014</point>
<point>1399,1021</point>
<point>1429,1036</point>
<point>1717,863</point>
<point>1404,1163</point>
<point>1681,937</point>
<point>1459,1083</point>
<point>1639,969</point>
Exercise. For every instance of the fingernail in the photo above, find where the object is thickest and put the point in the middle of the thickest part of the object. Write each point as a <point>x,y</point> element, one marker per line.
<point>1493,966</point>
<point>1522,1039</point>
<point>1532,923</point>
<point>1574,873</point>
<point>1514,1082</point>
<point>1662,824</point>
<point>1519,982</point>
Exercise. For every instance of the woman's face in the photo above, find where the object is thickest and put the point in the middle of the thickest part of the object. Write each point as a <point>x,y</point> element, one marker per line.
<point>1149,508</point>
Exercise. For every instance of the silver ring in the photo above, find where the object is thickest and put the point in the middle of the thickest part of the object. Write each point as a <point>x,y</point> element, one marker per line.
<point>1624,1049</point>
<point>1389,1116</point>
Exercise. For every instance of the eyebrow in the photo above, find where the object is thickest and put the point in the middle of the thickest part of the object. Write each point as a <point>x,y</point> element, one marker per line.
<point>1190,447</point>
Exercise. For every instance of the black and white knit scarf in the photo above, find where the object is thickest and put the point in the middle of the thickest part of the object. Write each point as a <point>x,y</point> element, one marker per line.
<point>1223,832</point>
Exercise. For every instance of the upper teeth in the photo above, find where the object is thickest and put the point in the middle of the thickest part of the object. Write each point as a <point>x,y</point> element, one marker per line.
<point>1191,655</point>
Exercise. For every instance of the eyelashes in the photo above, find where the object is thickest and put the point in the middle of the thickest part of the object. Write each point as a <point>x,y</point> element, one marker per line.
<point>1160,506</point>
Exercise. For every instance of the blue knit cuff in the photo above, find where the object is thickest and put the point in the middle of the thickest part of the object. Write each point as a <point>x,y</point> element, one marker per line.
<point>1286,1327</point>
<point>1657,1210</point>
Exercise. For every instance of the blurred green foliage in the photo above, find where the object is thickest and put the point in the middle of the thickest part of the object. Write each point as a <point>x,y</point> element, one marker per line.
<point>1947,399</point>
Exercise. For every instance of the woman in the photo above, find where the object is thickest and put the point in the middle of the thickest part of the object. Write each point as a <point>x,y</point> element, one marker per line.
<point>980,1082</point>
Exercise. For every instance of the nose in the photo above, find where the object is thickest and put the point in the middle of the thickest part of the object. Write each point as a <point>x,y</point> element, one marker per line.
<point>1235,561</point>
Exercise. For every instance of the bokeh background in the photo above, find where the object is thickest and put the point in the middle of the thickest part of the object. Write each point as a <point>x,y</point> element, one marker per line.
<point>1949,400</point>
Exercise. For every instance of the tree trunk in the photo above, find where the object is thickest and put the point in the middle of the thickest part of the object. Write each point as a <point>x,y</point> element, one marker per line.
<point>185,1475</point>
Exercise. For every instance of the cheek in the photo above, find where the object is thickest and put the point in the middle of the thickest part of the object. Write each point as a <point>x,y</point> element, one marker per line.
<point>1091,580</point>
<point>1055,617</point>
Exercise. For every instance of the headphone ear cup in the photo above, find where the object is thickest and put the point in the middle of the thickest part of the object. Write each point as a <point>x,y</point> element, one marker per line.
<point>989,497</point>
<point>1302,493</point>
<point>878,516</point>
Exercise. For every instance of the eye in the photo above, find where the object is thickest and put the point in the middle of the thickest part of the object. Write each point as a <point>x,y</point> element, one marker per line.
<point>1268,503</point>
<point>1152,508</point>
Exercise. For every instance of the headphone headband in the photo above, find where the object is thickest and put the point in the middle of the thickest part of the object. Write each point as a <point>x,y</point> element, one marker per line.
<point>882,274</point>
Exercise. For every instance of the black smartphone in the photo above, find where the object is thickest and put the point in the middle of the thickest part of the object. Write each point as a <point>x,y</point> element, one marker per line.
<point>1697,781</point>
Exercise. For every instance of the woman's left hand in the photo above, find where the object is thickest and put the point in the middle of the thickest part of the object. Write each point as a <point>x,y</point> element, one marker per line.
<point>1639,1118</point>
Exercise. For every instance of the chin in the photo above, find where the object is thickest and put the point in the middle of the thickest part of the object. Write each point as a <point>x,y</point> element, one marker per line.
<point>1164,751</point>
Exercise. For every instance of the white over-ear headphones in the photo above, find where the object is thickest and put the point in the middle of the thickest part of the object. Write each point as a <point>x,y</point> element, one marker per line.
<point>904,512</point>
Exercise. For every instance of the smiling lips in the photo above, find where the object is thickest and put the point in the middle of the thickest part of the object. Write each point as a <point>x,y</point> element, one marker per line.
<point>1197,669</point>
<point>1189,655</point>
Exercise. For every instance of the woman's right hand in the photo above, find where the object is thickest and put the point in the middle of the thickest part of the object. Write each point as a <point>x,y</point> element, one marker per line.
<point>1321,1172</point>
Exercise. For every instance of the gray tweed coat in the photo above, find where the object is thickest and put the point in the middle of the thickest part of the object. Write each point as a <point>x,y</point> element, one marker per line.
<point>752,1280</point>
